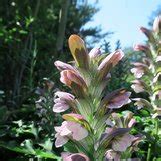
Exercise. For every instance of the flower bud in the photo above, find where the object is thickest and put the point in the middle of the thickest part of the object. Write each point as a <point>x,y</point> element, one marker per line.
<point>138,86</point>
<point>143,48</point>
<point>140,103</point>
<point>63,66</point>
<point>94,52</point>
<point>148,34</point>
<point>139,69</point>
<point>68,77</point>
<point>63,102</point>
<point>79,51</point>
<point>129,121</point>
<point>110,61</point>
<point>157,25</point>
<point>73,80</point>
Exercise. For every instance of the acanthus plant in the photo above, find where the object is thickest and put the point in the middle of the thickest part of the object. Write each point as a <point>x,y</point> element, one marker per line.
<point>92,130</point>
<point>148,79</point>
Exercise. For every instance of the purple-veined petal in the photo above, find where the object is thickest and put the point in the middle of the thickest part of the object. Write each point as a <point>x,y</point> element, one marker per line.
<point>63,66</point>
<point>116,99</point>
<point>64,95</point>
<point>60,141</point>
<point>60,107</point>
<point>138,86</point>
<point>78,132</point>
<point>120,100</point>
<point>138,72</point>
<point>122,143</point>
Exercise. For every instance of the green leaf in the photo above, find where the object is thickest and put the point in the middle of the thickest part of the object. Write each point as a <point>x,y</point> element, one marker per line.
<point>23,32</point>
<point>28,149</point>
<point>47,145</point>
<point>29,146</point>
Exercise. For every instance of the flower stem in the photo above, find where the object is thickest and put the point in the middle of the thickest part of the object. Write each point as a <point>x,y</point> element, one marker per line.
<point>156,126</point>
<point>149,152</point>
<point>156,135</point>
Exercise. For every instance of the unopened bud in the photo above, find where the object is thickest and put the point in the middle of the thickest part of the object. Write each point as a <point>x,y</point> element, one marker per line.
<point>94,52</point>
<point>147,33</point>
<point>157,25</point>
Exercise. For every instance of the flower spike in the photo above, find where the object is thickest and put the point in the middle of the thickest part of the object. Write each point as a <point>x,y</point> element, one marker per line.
<point>88,129</point>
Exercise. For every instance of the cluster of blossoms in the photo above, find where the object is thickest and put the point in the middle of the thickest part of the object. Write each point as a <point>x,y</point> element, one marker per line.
<point>148,72</point>
<point>148,79</point>
<point>92,130</point>
<point>45,92</point>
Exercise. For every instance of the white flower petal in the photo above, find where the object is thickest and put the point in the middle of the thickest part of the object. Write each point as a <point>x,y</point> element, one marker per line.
<point>60,141</point>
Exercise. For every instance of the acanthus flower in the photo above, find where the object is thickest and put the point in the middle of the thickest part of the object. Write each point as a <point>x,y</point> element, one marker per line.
<point>117,99</point>
<point>143,48</point>
<point>151,82</point>
<point>138,86</point>
<point>73,80</point>
<point>63,66</point>
<point>110,61</point>
<point>122,143</point>
<point>139,69</point>
<point>63,102</point>
<point>71,130</point>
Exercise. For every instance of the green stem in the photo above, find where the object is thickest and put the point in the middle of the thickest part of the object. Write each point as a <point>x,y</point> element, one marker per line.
<point>156,134</point>
<point>156,126</point>
<point>149,153</point>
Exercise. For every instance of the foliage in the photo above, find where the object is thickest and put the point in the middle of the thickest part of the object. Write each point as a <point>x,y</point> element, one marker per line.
<point>28,38</point>
<point>28,35</point>
<point>33,138</point>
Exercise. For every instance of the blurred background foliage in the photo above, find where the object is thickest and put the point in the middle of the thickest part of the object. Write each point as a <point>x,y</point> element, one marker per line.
<point>33,34</point>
